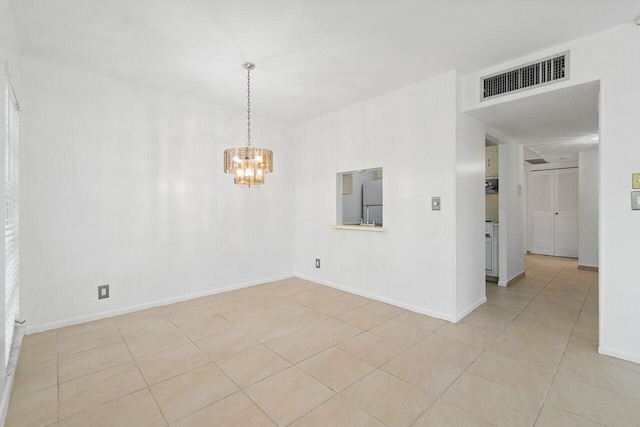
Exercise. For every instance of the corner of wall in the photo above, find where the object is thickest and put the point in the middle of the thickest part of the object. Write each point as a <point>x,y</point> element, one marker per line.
<point>607,351</point>
<point>469,210</point>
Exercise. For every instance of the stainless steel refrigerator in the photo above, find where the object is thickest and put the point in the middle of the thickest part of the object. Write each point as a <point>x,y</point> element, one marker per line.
<point>372,201</point>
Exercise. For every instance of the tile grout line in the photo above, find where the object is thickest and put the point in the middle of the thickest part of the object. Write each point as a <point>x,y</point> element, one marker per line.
<point>575,379</point>
<point>379,368</point>
<point>439,396</point>
<point>239,389</point>
<point>292,365</point>
<point>258,406</point>
<point>549,282</point>
<point>484,350</point>
<point>335,393</point>
<point>487,347</point>
<point>143,378</point>
<point>102,370</point>
<point>555,371</point>
<point>288,361</point>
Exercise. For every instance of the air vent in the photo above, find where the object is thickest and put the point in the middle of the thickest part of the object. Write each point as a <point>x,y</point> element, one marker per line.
<point>536,161</point>
<point>534,74</point>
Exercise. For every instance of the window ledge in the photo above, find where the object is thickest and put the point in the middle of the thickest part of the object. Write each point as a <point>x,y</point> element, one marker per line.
<point>359,228</point>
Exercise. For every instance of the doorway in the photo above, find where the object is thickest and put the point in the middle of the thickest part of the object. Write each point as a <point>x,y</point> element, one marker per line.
<point>552,130</point>
<point>554,212</point>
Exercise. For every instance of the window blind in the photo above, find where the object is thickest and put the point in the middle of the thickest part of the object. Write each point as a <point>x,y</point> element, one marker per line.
<point>11,241</point>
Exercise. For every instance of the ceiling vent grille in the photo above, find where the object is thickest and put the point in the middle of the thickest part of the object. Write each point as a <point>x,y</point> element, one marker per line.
<point>552,69</point>
<point>538,161</point>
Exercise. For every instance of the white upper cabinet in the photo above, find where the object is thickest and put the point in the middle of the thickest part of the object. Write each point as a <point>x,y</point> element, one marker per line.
<point>491,162</point>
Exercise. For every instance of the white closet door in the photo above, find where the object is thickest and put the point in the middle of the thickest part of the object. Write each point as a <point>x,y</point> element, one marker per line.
<point>566,205</point>
<point>542,212</point>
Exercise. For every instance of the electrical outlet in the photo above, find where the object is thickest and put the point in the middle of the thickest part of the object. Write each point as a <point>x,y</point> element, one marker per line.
<point>103,291</point>
<point>317,262</point>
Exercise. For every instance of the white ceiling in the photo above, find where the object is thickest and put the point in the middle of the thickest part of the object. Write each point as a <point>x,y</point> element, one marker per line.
<point>556,125</point>
<point>312,56</point>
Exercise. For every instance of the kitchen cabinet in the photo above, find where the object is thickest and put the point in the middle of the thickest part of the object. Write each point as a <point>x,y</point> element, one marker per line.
<point>491,161</point>
<point>347,184</point>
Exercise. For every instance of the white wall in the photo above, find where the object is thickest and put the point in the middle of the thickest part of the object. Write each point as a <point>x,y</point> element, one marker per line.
<point>470,212</point>
<point>511,207</point>
<point>123,185</point>
<point>611,57</point>
<point>588,175</point>
<point>411,134</point>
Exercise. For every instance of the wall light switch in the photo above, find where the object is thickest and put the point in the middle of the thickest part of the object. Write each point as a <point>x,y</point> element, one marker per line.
<point>635,200</point>
<point>635,178</point>
<point>435,203</point>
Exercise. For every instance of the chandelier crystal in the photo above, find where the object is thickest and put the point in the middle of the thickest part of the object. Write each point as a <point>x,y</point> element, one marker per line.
<point>248,164</point>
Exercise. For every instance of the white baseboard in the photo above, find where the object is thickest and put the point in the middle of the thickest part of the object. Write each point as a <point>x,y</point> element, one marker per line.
<point>635,358</point>
<point>469,309</point>
<point>376,297</point>
<point>511,280</point>
<point>158,303</point>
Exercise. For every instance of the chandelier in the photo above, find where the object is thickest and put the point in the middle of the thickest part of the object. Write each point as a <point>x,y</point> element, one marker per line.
<point>248,164</point>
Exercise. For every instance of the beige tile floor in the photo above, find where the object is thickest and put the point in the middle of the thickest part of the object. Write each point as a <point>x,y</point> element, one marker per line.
<point>297,353</point>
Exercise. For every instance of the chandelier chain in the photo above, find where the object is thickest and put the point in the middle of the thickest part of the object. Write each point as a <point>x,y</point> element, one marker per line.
<point>249,107</point>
